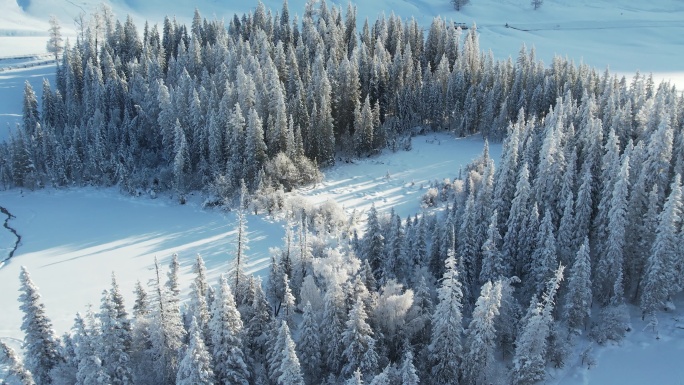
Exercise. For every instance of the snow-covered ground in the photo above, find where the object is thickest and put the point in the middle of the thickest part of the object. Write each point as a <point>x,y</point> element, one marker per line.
<point>643,357</point>
<point>72,241</point>
<point>399,180</point>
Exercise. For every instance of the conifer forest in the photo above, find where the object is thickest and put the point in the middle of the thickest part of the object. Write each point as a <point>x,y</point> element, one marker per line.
<point>580,219</point>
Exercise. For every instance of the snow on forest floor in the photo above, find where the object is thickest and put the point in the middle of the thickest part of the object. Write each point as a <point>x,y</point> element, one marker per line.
<point>399,180</point>
<point>643,357</point>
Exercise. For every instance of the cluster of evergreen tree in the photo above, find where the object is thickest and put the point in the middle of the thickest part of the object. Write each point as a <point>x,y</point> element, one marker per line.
<point>581,217</point>
<point>267,99</point>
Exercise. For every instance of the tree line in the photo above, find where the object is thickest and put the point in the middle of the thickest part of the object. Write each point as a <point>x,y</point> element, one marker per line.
<point>267,99</point>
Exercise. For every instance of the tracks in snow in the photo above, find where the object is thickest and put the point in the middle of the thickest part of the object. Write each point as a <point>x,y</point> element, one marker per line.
<point>13,231</point>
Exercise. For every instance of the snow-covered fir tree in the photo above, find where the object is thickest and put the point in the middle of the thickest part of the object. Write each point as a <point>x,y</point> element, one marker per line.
<point>480,338</point>
<point>226,332</point>
<point>40,344</point>
<point>195,367</point>
<point>445,343</point>
<point>17,374</point>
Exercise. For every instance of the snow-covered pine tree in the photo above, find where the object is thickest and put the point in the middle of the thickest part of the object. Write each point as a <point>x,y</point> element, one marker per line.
<point>530,352</point>
<point>287,308</point>
<point>172,284</point>
<point>31,117</point>
<point>290,370</point>
<point>359,343</point>
<point>226,330</point>
<point>17,374</point>
<point>660,282</point>
<point>355,379</point>
<point>114,342</point>
<point>90,369</point>
<point>579,296</point>
<point>408,373</point>
<point>166,329</point>
<point>199,296</point>
<point>39,345</point>
<point>611,263</point>
<point>374,243</point>
<point>195,367</point>
<point>493,265</point>
<point>513,239</point>
<point>583,206</point>
<point>309,346</point>
<point>445,343</point>
<point>480,338</point>
<point>64,373</point>
<point>544,258</point>
<point>237,273</point>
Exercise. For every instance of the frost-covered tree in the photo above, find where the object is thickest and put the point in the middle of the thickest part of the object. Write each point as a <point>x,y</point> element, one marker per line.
<point>166,330</point>
<point>226,331</point>
<point>374,243</point>
<point>514,237</point>
<point>90,369</point>
<point>39,345</point>
<point>445,343</point>
<point>545,257</point>
<point>309,345</point>
<point>114,341</point>
<point>31,117</point>
<point>359,343</point>
<point>17,374</point>
<point>55,44</point>
<point>480,338</point>
<point>493,266</point>
<point>237,273</point>
<point>611,263</point>
<point>660,281</point>
<point>579,296</point>
<point>530,352</point>
<point>408,373</point>
<point>290,370</point>
<point>195,367</point>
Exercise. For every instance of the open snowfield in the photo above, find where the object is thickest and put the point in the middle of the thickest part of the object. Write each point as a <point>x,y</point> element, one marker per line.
<point>72,240</point>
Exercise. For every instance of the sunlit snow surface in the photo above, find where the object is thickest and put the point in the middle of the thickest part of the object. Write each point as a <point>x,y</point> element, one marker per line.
<point>72,240</point>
